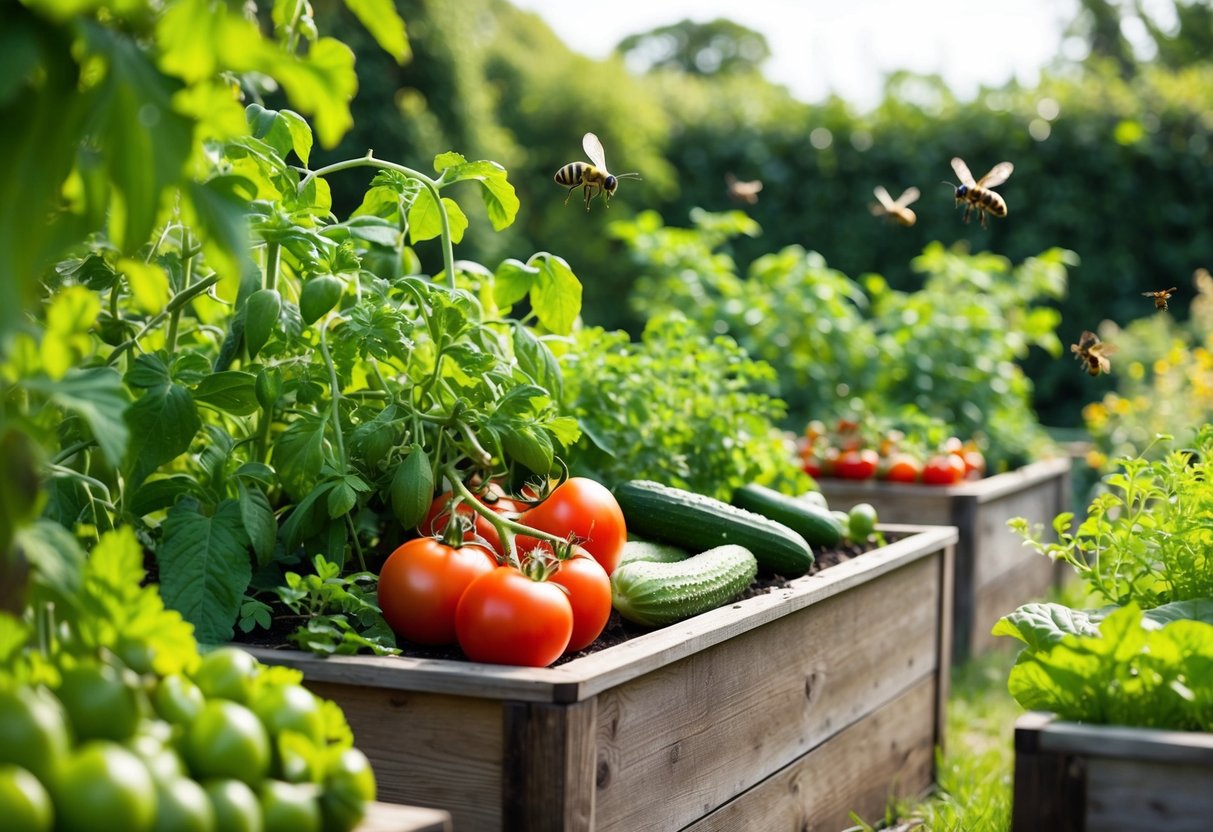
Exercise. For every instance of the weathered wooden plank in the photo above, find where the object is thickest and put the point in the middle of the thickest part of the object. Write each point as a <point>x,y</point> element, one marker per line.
<point>393,817</point>
<point>756,703</point>
<point>1177,747</point>
<point>944,641</point>
<point>1001,550</point>
<point>1130,795</point>
<point>1048,787</point>
<point>549,766</point>
<point>430,750</point>
<point>850,772</point>
<point>1030,581</point>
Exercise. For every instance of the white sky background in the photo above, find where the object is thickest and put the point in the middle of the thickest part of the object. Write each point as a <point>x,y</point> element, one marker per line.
<point>847,47</point>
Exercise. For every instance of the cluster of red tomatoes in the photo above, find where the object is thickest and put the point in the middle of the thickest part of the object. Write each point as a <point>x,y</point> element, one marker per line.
<point>548,600</point>
<point>849,452</point>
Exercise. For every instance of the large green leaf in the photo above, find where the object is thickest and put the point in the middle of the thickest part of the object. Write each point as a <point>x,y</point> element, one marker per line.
<point>425,222</point>
<point>55,558</point>
<point>500,201</point>
<point>231,391</point>
<point>381,20</point>
<point>98,397</point>
<point>556,294</point>
<point>259,521</point>
<point>205,568</point>
<point>162,422</point>
<point>322,84</point>
<point>1042,625</point>
<point>299,453</point>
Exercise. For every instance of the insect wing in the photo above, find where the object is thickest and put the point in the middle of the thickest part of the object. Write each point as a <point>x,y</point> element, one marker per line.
<point>883,197</point>
<point>962,171</point>
<point>908,195</point>
<point>997,175</point>
<point>593,149</point>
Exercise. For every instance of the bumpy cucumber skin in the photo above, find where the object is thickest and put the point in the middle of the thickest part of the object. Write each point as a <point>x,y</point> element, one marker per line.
<point>637,550</point>
<point>815,524</point>
<point>656,594</point>
<point>695,522</point>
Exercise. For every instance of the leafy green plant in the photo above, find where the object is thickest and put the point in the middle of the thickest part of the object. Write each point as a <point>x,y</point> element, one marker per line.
<point>677,407</point>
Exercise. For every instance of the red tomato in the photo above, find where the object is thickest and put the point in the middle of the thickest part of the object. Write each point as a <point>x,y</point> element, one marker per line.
<point>943,469</point>
<point>589,589</point>
<point>811,465</point>
<point>975,464</point>
<point>857,464</point>
<point>903,468</point>
<point>421,583</point>
<point>953,445</point>
<point>587,510</point>
<point>436,518</point>
<point>505,617</point>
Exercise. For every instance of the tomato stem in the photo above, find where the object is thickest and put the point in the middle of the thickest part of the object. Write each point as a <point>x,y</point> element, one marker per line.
<point>505,527</point>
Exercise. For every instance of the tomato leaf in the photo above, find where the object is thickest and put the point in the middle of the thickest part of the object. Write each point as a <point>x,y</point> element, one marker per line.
<point>259,521</point>
<point>412,488</point>
<point>381,20</point>
<point>231,391</point>
<point>537,362</point>
<point>205,568</point>
<point>162,422</point>
<point>298,453</point>
<point>500,201</point>
<point>98,397</point>
<point>555,294</point>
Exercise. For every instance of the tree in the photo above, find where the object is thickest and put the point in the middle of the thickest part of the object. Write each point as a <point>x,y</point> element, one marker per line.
<point>716,48</point>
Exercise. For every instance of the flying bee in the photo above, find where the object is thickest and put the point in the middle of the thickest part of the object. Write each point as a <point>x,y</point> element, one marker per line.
<point>896,210</point>
<point>977,195</point>
<point>739,191</point>
<point>1093,352</point>
<point>594,177</point>
<point>1160,298</point>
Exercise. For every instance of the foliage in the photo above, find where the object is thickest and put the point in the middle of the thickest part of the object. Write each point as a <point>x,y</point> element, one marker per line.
<point>678,407</point>
<point>948,349</point>
<point>719,46</point>
<point>1146,538</point>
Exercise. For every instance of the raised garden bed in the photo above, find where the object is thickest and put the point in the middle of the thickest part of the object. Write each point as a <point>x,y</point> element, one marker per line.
<point>995,572</point>
<point>788,709</point>
<point>1075,777</point>
<point>392,817</point>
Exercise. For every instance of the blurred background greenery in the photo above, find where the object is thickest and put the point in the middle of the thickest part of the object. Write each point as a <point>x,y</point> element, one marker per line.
<point>1112,155</point>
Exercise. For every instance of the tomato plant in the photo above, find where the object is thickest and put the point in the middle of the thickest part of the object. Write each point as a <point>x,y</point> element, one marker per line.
<point>439,515</point>
<point>857,464</point>
<point>903,467</point>
<point>943,469</point>
<point>506,617</point>
<point>587,511</point>
<point>421,583</point>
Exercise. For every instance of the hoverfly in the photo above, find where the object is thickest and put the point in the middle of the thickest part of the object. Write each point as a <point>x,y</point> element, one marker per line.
<point>1093,352</point>
<point>740,191</point>
<point>896,210</point>
<point>977,195</point>
<point>1161,298</point>
<point>594,177</point>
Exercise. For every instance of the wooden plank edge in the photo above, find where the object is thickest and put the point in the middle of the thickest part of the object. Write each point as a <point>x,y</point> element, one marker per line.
<point>990,488</point>
<point>1123,742</point>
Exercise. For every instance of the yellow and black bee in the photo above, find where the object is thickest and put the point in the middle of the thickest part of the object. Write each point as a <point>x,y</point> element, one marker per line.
<point>1093,352</point>
<point>1161,298</point>
<point>895,210</point>
<point>595,177</point>
<point>742,191</point>
<point>977,195</point>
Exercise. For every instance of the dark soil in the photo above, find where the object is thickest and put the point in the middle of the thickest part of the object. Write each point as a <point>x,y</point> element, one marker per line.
<point>617,630</point>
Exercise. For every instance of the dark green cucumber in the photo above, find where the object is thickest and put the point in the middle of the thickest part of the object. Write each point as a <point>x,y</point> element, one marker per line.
<point>695,522</point>
<point>814,523</point>
<point>635,550</point>
<point>655,594</point>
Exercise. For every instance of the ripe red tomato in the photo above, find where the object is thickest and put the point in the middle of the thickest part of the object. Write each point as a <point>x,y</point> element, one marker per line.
<point>587,510</point>
<point>903,468</point>
<point>589,589</point>
<point>436,518</point>
<point>811,465</point>
<point>421,583</point>
<point>506,617</point>
<point>857,464</point>
<point>975,464</point>
<point>943,469</point>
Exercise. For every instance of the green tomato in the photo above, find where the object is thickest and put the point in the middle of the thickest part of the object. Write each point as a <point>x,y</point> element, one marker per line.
<point>178,700</point>
<point>227,740</point>
<point>104,786</point>
<point>861,522</point>
<point>226,673</point>
<point>33,731</point>
<point>161,759</point>
<point>235,805</point>
<point>25,805</point>
<point>183,806</point>
<point>290,807</point>
<point>290,708</point>
<point>348,787</point>
<point>103,702</point>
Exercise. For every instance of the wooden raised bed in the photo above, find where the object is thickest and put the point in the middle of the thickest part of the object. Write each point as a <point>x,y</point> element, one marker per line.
<point>1075,777</point>
<point>995,572</point>
<point>784,710</point>
<point>392,817</point>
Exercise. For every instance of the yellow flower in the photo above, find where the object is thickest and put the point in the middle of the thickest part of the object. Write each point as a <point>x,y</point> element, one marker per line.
<point>1096,459</point>
<point>1136,371</point>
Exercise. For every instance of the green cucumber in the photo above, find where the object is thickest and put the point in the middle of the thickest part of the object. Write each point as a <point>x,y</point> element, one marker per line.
<point>695,522</point>
<point>635,550</point>
<point>814,523</point>
<point>655,594</point>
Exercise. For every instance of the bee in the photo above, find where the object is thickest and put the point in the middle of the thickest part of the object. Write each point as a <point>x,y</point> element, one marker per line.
<point>1093,352</point>
<point>739,191</point>
<point>896,210</point>
<point>594,177</point>
<point>978,195</point>
<point>1160,298</point>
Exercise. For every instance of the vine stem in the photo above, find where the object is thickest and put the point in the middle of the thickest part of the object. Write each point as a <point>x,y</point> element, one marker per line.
<point>506,528</point>
<point>334,389</point>
<point>431,185</point>
<point>273,256</point>
<point>170,339</point>
<point>178,301</point>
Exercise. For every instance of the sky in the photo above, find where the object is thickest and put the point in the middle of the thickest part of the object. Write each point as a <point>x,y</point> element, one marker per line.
<point>847,47</point>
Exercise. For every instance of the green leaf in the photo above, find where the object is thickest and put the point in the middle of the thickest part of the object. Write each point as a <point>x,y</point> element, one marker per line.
<point>1198,609</point>
<point>298,454</point>
<point>537,362</point>
<point>1042,625</point>
<point>381,20</point>
<point>500,200</point>
<point>217,210</point>
<point>204,568</point>
<point>425,222</point>
<point>322,84</point>
<point>162,423</point>
<point>342,498</point>
<point>512,281</point>
<point>259,521</point>
<point>306,519</point>
<point>531,446</point>
<point>412,488</point>
<point>158,494</point>
<point>230,391</point>
<point>56,559</point>
<point>449,159</point>
<point>98,397</point>
<point>148,284</point>
<point>556,294</point>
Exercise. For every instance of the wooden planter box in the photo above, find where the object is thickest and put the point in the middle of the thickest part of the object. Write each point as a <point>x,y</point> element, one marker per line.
<point>392,817</point>
<point>1075,777</point>
<point>995,572</point>
<point>785,710</point>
